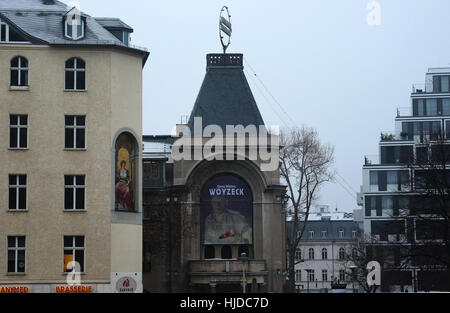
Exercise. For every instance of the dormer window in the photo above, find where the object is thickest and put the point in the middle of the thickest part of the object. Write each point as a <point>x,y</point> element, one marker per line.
<point>74,25</point>
<point>9,35</point>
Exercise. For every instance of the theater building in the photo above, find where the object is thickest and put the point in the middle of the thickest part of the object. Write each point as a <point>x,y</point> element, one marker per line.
<point>201,215</point>
<point>70,145</point>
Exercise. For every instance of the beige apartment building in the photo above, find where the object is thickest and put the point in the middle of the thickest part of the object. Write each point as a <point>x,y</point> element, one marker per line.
<point>70,147</point>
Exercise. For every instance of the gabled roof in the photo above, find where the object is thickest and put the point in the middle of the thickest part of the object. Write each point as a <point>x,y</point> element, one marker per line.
<point>225,97</point>
<point>41,22</point>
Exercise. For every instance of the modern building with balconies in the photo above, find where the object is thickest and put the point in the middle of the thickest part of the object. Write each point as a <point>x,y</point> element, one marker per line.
<point>390,192</point>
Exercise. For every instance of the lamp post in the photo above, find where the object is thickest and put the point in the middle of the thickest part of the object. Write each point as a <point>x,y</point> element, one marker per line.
<point>244,259</point>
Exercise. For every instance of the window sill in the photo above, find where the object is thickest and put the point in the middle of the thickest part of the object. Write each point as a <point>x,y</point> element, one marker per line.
<point>16,274</point>
<point>72,150</point>
<point>74,211</point>
<point>17,211</point>
<point>70,273</point>
<point>18,149</point>
<point>75,90</point>
<point>19,88</point>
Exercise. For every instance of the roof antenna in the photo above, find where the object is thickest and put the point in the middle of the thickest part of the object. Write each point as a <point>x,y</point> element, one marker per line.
<point>225,29</point>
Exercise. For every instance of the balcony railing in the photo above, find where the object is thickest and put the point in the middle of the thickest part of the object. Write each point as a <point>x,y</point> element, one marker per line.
<point>389,136</point>
<point>372,159</point>
<point>404,112</point>
<point>419,88</point>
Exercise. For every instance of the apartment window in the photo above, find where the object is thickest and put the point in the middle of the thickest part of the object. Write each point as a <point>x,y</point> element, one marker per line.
<point>74,251</point>
<point>311,234</point>
<point>324,234</point>
<point>311,254</point>
<point>298,275</point>
<point>74,195</point>
<point>341,254</point>
<point>342,275</point>
<point>75,74</point>
<point>324,275</point>
<point>354,253</point>
<point>17,192</point>
<point>298,255</point>
<point>311,275</point>
<point>354,233</point>
<point>341,233</point>
<point>19,72</point>
<point>75,132</point>
<point>18,131</point>
<point>16,254</point>
<point>441,83</point>
<point>324,254</point>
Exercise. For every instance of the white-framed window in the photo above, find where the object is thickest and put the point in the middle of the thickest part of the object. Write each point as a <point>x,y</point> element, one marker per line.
<point>16,254</point>
<point>17,192</point>
<point>311,234</point>
<point>74,192</point>
<point>341,254</point>
<point>4,32</point>
<point>298,275</point>
<point>18,131</point>
<point>75,132</point>
<point>19,72</point>
<point>74,251</point>
<point>354,253</point>
<point>324,234</point>
<point>342,275</point>
<point>324,275</point>
<point>324,254</point>
<point>341,233</point>
<point>311,253</point>
<point>126,38</point>
<point>354,234</point>
<point>74,25</point>
<point>298,255</point>
<point>75,74</point>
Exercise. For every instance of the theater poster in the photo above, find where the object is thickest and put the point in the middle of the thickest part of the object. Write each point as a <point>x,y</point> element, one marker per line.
<point>227,212</point>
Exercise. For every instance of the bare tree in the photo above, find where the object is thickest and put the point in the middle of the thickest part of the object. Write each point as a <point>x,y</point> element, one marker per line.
<point>305,165</point>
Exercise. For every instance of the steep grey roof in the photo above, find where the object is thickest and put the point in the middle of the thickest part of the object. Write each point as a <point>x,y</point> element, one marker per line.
<point>332,228</point>
<point>113,23</point>
<point>42,5</point>
<point>42,23</point>
<point>225,97</point>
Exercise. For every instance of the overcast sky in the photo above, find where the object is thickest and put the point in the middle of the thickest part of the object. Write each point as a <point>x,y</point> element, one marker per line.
<point>320,59</point>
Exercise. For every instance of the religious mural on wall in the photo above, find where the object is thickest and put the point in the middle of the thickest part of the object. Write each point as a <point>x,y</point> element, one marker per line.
<point>227,211</point>
<point>125,173</point>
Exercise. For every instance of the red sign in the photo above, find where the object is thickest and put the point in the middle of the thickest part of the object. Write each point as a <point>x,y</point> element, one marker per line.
<point>14,289</point>
<point>74,289</point>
